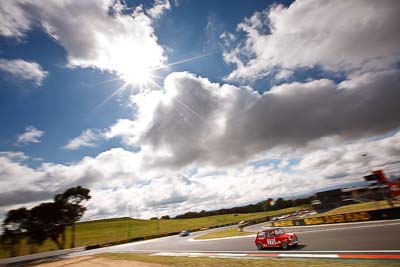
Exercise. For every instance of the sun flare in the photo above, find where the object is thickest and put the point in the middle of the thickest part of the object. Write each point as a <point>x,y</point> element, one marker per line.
<point>138,76</point>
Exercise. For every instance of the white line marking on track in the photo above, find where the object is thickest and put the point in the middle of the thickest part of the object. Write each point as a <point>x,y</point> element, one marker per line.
<point>309,255</point>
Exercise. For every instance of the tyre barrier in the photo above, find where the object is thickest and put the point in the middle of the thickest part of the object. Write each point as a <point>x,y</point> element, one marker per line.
<point>373,215</point>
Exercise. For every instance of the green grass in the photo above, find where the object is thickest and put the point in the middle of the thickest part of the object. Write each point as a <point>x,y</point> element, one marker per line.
<point>224,233</point>
<point>206,262</point>
<point>110,230</point>
<point>367,206</point>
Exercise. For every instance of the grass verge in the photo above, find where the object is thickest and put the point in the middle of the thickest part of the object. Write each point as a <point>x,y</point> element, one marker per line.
<point>206,262</point>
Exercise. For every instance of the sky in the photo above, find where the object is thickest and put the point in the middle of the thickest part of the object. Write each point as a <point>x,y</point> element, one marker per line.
<point>163,107</point>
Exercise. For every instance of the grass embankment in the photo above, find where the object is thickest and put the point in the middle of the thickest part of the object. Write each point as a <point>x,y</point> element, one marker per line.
<point>359,207</point>
<point>103,231</point>
<point>206,262</point>
<point>224,233</point>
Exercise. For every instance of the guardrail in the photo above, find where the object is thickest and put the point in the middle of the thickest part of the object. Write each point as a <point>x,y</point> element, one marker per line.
<point>27,259</point>
<point>373,215</point>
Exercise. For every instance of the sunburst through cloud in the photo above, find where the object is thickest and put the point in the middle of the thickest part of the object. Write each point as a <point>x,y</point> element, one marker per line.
<point>181,109</point>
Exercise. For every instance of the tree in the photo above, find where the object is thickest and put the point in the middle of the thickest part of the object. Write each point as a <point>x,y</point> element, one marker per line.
<point>280,203</point>
<point>270,203</point>
<point>15,226</point>
<point>71,209</point>
<point>46,221</point>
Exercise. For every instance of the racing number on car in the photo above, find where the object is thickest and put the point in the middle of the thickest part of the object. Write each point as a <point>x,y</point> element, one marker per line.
<point>271,242</point>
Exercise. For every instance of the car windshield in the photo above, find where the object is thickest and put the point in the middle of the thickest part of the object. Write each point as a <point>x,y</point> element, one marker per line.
<point>279,231</point>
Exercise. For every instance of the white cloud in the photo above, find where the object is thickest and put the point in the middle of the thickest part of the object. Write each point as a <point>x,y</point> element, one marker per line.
<point>14,22</point>
<point>115,39</point>
<point>14,156</point>
<point>87,138</point>
<point>23,70</point>
<point>197,137</point>
<point>227,38</point>
<point>354,159</point>
<point>31,135</point>
<point>130,130</point>
<point>350,36</point>
<point>117,167</point>
<point>117,179</point>
<point>160,6</point>
<point>199,122</point>
<point>284,74</point>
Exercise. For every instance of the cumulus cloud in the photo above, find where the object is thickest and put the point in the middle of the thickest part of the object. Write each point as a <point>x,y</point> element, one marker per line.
<point>14,156</point>
<point>116,178</point>
<point>117,167</point>
<point>115,39</point>
<point>15,22</point>
<point>201,143</point>
<point>130,130</point>
<point>353,159</point>
<point>159,7</point>
<point>349,36</point>
<point>87,138</point>
<point>31,135</point>
<point>21,70</point>
<point>115,183</point>
<point>199,122</point>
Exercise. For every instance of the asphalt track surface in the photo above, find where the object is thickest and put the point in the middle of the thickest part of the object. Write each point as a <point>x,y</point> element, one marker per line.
<point>367,237</point>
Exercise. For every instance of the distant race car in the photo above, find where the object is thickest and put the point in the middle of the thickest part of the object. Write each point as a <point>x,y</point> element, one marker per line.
<point>184,233</point>
<point>275,237</point>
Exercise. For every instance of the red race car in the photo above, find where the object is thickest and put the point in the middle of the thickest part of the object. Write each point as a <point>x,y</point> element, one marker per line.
<point>276,238</point>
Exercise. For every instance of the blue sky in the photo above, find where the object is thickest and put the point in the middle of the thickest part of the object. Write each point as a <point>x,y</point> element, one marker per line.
<point>174,99</point>
<point>69,99</point>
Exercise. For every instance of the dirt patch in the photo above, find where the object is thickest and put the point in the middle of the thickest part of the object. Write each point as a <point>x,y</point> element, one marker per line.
<point>89,261</point>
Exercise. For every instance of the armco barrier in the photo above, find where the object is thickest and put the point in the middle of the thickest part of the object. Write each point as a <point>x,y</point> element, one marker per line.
<point>374,215</point>
<point>28,260</point>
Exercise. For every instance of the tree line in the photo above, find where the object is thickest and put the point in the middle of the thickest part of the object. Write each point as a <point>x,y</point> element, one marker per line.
<point>267,205</point>
<point>47,220</point>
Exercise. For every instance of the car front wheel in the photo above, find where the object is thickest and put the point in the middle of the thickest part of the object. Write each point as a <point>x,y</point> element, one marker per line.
<point>284,245</point>
<point>259,246</point>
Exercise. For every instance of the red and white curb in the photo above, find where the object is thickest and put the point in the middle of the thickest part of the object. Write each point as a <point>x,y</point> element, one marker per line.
<point>279,255</point>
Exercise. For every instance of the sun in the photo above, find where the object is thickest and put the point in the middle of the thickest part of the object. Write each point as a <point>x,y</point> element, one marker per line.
<point>138,76</point>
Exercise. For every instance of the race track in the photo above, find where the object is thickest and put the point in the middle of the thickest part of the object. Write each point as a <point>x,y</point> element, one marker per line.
<point>365,237</point>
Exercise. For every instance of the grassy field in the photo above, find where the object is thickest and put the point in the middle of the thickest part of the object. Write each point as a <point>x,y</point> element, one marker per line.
<point>206,262</point>
<point>103,231</point>
<point>224,233</point>
<point>367,206</point>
